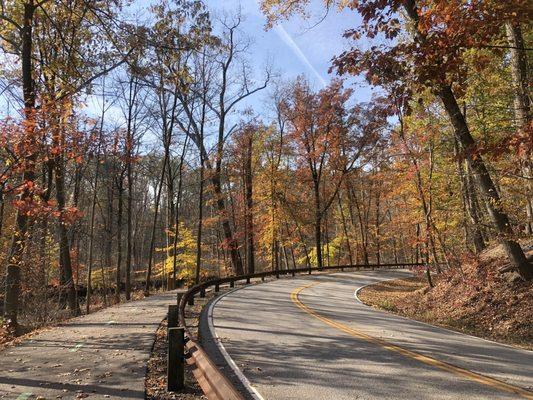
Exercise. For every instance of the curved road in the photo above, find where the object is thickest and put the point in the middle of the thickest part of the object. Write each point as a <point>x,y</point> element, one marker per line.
<point>309,338</point>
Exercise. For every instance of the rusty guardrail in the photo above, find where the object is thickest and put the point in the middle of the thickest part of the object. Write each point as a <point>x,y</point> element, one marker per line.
<point>214,384</point>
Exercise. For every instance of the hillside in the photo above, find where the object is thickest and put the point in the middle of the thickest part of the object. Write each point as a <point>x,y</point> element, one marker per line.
<point>477,299</point>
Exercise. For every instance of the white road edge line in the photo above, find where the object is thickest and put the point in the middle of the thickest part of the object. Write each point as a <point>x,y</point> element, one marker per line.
<point>356,293</point>
<point>244,380</point>
<point>356,296</point>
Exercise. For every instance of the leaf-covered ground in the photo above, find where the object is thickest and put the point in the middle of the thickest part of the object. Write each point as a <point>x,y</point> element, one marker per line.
<point>156,374</point>
<point>477,299</point>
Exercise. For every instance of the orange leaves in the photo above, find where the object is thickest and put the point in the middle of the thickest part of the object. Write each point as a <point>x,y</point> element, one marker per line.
<point>70,215</point>
<point>33,206</point>
<point>318,122</point>
<point>31,151</point>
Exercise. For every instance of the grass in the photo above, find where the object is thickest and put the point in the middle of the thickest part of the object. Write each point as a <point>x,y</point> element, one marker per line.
<point>387,305</point>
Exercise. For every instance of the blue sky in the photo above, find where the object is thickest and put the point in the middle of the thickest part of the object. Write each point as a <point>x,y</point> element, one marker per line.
<point>294,47</point>
<point>297,46</point>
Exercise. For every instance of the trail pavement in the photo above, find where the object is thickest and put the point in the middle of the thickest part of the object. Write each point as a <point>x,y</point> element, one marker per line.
<point>98,356</point>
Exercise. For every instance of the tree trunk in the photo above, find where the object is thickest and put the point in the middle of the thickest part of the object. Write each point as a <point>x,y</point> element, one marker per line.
<point>474,209</point>
<point>2,206</point>
<point>248,180</point>
<point>473,226</point>
<point>345,230</point>
<point>200,223</point>
<point>231,242</point>
<point>293,258</point>
<point>154,225</point>
<point>18,242</point>
<point>64,246</point>
<point>285,257</point>
<point>318,223</point>
<point>177,216</point>
<point>129,150</point>
<point>91,238</point>
<point>110,170</point>
<point>118,276</point>
<point>362,230</point>
<point>326,237</point>
<point>522,110</point>
<point>274,237</point>
<point>486,185</point>
<point>378,227</point>
<point>129,226</point>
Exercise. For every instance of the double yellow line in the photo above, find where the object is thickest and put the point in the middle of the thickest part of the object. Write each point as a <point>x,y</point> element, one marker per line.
<point>464,373</point>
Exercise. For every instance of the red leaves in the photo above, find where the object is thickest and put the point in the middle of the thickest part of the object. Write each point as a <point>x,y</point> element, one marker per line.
<point>32,148</point>
<point>441,33</point>
<point>70,215</point>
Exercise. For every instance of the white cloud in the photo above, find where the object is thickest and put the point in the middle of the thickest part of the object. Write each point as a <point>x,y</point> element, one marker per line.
<point>289,41</point>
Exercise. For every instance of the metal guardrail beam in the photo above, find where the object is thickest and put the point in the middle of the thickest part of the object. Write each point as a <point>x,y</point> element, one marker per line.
<point>215,385</point>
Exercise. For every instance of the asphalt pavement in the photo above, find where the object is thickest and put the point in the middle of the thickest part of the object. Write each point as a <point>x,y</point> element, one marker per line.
<point>310,338</point>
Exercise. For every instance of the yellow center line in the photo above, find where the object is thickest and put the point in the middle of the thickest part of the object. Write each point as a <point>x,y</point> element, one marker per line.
<point>464,373</point>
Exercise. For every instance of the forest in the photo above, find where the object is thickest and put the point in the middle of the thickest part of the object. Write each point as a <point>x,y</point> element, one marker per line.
<point>133,156</point>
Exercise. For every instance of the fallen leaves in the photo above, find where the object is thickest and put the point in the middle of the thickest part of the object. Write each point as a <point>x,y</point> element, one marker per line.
<point>477,301</point>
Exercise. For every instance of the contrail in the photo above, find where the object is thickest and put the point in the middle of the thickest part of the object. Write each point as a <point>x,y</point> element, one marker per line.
<point>282,33</point>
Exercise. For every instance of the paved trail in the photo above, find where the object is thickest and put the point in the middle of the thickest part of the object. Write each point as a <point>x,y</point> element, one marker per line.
<point>99,356</point>
<point>309,338</point>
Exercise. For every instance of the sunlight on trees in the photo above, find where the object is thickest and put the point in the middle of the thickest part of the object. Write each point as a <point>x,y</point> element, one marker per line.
<point>131,155</point>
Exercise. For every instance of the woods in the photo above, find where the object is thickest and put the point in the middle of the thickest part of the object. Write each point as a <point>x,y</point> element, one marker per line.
<point>134,152</point>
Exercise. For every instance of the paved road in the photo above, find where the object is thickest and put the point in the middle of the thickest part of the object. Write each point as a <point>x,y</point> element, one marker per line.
<point>99,356</point>
<point>323,344</point>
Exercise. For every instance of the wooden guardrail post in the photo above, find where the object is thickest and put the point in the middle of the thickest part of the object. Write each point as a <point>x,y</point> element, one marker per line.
<point>202,293</point>
<point>175,366</point>
<point>232,284</point>
<point>172,317</point>
<point>217,287</point>
<point>190,302</point>
<point>248,280</point>
<point>179,295</point>
<point>171,283</point>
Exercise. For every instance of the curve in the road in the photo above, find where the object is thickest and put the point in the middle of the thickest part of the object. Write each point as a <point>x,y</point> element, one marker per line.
<point>277,337</point>
<point>236,370</point>
<point>485,380</point>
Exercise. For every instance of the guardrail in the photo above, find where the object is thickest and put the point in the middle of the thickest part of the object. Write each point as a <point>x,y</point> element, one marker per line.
<point>214,384</point>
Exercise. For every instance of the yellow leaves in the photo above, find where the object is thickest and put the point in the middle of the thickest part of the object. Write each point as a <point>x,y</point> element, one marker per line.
<point>185,257</point>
